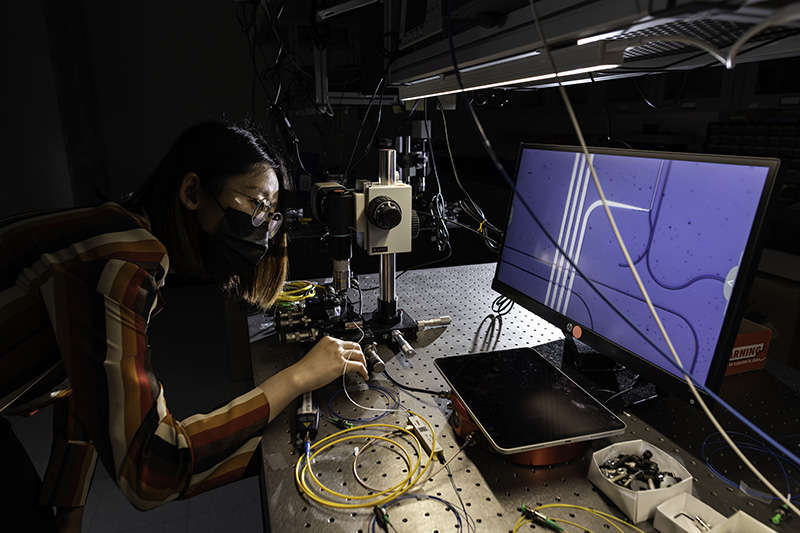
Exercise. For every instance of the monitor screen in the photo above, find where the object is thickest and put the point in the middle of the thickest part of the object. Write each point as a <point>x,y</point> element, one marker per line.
<point>690,223</point>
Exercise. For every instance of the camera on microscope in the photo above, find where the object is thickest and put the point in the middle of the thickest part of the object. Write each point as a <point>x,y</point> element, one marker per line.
<point>381,216</point>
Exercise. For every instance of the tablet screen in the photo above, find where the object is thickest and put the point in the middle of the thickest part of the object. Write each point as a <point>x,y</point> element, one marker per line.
<point>522,402</point>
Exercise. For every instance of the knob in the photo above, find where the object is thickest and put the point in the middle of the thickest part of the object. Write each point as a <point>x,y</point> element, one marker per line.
<point>414,224</point>
<point>374,362</point>
<point>384,212</point>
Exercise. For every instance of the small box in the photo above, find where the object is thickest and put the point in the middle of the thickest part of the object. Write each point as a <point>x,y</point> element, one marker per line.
<point>638,505</point>
<point>774,301</point>
<point>680,515</point>
<point>750,350</point>
<point>742,522</point>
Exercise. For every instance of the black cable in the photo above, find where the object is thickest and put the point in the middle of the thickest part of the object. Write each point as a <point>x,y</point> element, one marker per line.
<point>364,120</point>
<point>275,109</point>
<point>470,520</point>
<point>502,305</point>
<point>405,120</point>
<point>494,320</point>
<point>440,394</point>
<point>290,53</point>
<point>437,205</point>
<point>605,107</point>
<point>456,222</point>
<point>490,96</point>
<point>244,26</point>
<point>422,265</point>
<point>662,106</point>
<point>470,207</point>
<point>355,282</point>
<point>429,263</point>
<point>392,54</point>
<point>377,126</point>
<point>495,160</point>
<point>636,383</point>
<point>608,114</point>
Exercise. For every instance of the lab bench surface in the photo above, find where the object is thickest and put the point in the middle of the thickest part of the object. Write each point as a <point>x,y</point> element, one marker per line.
<point>489,486</point>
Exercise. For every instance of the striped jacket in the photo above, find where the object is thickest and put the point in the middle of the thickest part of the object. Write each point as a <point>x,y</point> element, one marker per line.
<point>77,291</point>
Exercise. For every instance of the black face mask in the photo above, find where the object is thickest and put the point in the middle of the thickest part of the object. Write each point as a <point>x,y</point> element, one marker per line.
<point>236,247</point>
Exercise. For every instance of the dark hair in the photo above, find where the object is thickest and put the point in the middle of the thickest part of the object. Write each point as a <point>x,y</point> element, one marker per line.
<point>215,151</point>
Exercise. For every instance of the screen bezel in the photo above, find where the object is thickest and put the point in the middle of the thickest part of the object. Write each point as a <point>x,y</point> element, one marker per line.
<point>660,377</point>
<point>449,368</point>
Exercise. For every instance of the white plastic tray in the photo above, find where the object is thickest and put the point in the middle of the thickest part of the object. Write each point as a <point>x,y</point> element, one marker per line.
<point>638,505</point>
<point>677,514</point>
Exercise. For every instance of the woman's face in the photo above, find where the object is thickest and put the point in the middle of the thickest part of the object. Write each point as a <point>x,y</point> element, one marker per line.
<point>242,192</point>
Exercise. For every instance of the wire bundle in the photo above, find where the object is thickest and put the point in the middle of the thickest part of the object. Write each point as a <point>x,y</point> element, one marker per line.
<point>391,397</point>
<point>501,306</point>
<point>326,496</point>
<point>714,445</point>
<point>373,521</point>
<point>468,205</point>
<point>612,520</point>
<point>295,291</point>
<point>790,13</point>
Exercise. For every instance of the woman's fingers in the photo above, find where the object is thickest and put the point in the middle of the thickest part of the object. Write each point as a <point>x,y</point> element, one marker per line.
<point>355,359</point>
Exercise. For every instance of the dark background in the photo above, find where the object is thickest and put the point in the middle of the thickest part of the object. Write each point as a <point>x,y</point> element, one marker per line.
<point>95,91</point>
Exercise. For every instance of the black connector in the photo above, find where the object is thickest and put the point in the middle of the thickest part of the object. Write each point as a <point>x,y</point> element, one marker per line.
<point>472,439</point>
<point>539,518</point>
<point>382,517</point>
<point>338,422</point>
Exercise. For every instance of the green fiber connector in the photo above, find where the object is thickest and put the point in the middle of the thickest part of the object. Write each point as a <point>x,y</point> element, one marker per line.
<point>381,516</point>
<point>344,424</point>
<point>540,518</point>
<point>780,514</point>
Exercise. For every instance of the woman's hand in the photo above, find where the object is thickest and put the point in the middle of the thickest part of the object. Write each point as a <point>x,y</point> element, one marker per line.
<point>326,361</point>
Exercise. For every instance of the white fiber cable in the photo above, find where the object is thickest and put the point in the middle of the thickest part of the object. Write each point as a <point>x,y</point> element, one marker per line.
<point>641,41</point>
<point>642,289</point>
<point>788,14</point>
<point>344,381</point>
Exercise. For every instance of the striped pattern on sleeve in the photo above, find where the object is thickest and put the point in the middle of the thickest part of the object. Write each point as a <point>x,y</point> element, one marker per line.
<point>88,283</point>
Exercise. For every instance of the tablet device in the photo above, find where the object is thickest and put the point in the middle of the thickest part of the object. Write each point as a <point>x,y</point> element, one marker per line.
<point>522,402</point>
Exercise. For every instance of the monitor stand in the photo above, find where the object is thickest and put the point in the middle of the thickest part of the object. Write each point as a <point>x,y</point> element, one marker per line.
<point>611,383</point>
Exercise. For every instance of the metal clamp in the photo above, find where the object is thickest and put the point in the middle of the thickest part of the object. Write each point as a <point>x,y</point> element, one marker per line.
<point>405,347</point>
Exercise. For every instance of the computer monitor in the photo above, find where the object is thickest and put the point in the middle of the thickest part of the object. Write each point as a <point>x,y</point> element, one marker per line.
<point>691,224</point>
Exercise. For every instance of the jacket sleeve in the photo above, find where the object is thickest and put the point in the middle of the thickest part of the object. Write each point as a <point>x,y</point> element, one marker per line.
<point>100,316</point>
<point>72,460</point>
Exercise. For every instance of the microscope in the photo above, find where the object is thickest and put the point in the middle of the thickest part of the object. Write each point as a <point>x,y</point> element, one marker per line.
<point>381,217</point>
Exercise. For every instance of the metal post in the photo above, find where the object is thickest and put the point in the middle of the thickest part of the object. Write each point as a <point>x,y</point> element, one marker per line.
<point>387,300</point>
<point>388,166</point>
<point>386,275</point>
<point>320,77</point>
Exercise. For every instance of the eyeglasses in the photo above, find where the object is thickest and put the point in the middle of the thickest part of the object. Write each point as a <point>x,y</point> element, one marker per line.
<point>262,213</point>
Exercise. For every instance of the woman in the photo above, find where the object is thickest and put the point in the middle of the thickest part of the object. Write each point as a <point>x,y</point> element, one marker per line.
<point>77,291</point>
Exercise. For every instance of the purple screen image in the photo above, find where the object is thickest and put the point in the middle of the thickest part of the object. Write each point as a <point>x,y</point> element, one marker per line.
<point>686,225</point>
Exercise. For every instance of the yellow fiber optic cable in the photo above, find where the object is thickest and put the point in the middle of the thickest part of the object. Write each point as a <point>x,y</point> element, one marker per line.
<point>607,517</point>
<point>303,466</point>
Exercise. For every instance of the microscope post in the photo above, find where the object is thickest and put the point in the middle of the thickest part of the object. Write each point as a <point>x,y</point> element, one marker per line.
<point>387,300</point>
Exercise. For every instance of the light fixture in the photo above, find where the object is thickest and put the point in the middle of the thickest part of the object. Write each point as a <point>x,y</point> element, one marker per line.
<point>570,61</point>
<point>602,37</point>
